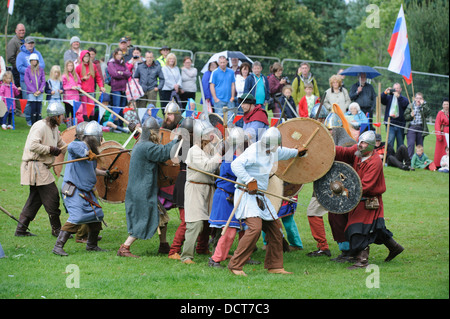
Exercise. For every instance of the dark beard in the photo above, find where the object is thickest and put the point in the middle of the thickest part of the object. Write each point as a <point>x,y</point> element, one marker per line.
<point>92,143</point>
<point>52,122</point>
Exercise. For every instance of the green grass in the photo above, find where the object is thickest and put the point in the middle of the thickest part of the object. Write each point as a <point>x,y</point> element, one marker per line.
<point>416,211</point>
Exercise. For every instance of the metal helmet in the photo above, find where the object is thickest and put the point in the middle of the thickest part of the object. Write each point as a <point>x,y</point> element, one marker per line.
<point>271,138</point>
<point>55,108</point>
<point>79,130</point>
<point>34,56</point>
<point>333,120</point>
<point>93,129</point>
<point>323,112</point>
<point>188,124</point>
<point>204,116</point>
<point>150,124</point>
<point>370,138</point>
<point>202,130</point>
<point>172,108</point>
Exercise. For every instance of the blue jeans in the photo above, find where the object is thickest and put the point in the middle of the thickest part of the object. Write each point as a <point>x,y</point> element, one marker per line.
<point>396,133</point>
<point>118,98</point>
<point>218,108</point>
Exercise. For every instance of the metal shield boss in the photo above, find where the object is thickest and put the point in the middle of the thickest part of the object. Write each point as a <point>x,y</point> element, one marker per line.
<point>113,190</point>
<point>310,134</point>
<point>340,189</point>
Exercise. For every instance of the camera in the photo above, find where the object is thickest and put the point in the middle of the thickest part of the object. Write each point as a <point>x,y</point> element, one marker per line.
<point>391,91</point>
<point>287,79</point>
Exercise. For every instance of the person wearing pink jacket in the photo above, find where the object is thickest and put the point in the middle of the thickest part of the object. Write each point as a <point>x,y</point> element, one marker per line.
<point>8,90</point>
<point>89,76</point>
<point>71,81</point>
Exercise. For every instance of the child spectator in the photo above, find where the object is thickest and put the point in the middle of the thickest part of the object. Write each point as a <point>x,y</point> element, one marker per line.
<point>420,159</point>
<point>8,90</point>
<point>89,76</point>
<point>444,162</point>
<point>54,85</point>
<point>71,81</point>
<point>308,101</point>
<point>35,83</point>
<point>285,98</point>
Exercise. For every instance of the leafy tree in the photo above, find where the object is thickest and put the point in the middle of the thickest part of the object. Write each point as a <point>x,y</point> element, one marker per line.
<point>428,35</point>
<point>259,27</point>
<point>109,20</point>
<point>367,43</point>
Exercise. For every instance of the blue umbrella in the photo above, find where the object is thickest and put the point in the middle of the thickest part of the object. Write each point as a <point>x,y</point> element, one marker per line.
<point>355,70</point>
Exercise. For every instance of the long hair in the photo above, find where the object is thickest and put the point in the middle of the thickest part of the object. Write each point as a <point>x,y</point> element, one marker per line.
<point>53,71</point>
<point>90,65</point>
<point>73,73</point>
<point>35,69</point>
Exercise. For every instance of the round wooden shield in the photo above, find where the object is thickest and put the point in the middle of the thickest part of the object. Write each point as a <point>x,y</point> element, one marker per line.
<point>113,190</point>
<point>275,187</point>
<point>167,171</point>
<point>340,189</point>
<point>68,136</point>
<point>313,135</point>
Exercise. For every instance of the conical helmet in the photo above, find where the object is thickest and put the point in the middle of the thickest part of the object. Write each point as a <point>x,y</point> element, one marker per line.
<point>271,138</point>
<point>55,108</point>
<point>333,120</point>
<point>94,129</point>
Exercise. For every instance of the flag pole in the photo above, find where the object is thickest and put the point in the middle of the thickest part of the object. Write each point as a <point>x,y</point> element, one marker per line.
<point>6,36</point>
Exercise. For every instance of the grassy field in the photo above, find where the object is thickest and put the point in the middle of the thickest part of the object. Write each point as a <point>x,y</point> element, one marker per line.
<point>416,211</point>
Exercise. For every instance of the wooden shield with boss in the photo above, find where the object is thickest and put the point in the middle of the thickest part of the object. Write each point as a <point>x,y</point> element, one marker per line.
<point>113,189</point>
<point>313,135</point>
<point>339,190</point>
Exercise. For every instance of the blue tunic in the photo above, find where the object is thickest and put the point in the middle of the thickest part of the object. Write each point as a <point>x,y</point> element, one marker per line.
<point>222,208</point>
<point>82,175</point>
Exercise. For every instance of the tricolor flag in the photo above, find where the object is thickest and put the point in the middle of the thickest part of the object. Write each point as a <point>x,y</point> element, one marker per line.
<point>399,49</point>
<point>10,6</point>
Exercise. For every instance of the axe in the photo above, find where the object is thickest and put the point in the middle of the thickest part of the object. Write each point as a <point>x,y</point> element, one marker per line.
<point>11,216</point>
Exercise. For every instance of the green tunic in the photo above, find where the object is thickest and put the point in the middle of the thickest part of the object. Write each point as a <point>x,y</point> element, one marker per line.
<point>141,196</point>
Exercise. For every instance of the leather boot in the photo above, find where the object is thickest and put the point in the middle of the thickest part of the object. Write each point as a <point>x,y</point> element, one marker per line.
<point>60,242</point>
<point>55,223</point>
<point>362,259</point>
<point>394,249</point>
<point>124,251</point>
<point>92,239</point>
<point>21,230</point>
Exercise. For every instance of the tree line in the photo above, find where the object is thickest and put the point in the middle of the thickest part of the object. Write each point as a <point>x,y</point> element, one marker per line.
<point>354,32</point>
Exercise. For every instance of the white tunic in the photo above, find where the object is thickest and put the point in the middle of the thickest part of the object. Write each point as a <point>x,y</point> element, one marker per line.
<point>256,164</point>
<point>198,197</point>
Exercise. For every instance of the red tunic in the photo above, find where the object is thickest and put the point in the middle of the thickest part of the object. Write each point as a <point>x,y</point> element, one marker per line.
<point>440,127</point>
<point>365,226</point>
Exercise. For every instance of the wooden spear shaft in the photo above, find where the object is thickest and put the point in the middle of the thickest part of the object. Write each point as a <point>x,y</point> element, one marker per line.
<point>242,185</point>
<point>86,158</point>
<point>106,108</point>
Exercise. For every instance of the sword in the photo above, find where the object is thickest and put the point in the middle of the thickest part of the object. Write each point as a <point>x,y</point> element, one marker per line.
<point>11,216</point>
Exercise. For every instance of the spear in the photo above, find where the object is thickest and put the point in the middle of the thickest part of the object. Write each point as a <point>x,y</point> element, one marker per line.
<point>242,185</point>
<point>10,215</point>
<point>86,158</point>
